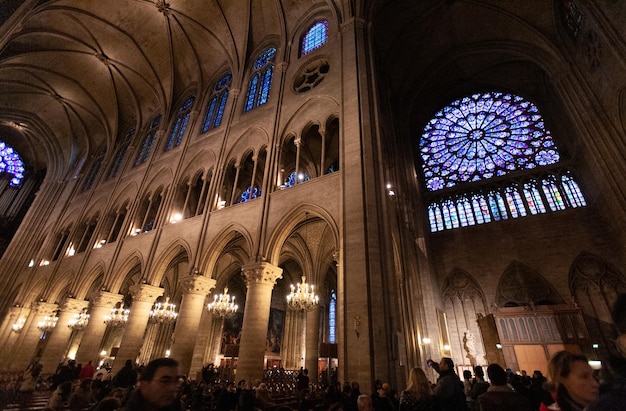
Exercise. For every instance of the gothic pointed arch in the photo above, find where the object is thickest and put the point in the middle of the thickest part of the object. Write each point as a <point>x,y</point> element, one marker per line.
<point>464,302</point>
<point>595,284</point>
<point>521,285</point>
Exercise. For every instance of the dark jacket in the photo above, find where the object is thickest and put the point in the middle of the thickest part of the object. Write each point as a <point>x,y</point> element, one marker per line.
<point>449,392</point>
<point>136,402</point>
<point>499,398</point>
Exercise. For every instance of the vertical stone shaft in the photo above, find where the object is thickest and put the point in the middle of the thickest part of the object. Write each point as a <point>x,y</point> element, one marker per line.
<point>260,280</point>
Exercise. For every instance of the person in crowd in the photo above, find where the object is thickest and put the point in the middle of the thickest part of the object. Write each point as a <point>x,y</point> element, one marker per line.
<point>572,381</point>
<point>538,393</point>
<point>364,403</point>
<point>418,395</point>
<point>467,387</point>
<point>108,404</point>
<point>500,395</point>
<point>264,399</point>
<point>331,396</point>
<point>247,398</point>
<point>126,377</point>
<point>449,389</point>
<point>227,398</point>
<point>479,386</point>
<point>60,396</point>
<point>81,397</point>
<point>381,397</point>
<point>302,381</point>
<point>29,381</point>
<point>613,374</point>
<point>158,388</point>
<point>86,372</point>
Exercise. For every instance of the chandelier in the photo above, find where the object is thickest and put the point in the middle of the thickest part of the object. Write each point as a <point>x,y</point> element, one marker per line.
<point>48,323</point>
<point>19,324</point>
<point>163,312</point>
<point>223,306</point>
<point>80,320</point>
<point>118,316</point>
<point>302,297</point>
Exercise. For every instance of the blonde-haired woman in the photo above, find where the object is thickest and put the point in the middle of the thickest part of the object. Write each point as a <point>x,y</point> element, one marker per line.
<point>572,380</point>
<point>418,395</point>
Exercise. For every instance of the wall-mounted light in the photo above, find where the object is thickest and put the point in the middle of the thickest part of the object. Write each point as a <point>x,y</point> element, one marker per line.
<point>426,340</point>
<point>498,346</point>
<point>446,347</point>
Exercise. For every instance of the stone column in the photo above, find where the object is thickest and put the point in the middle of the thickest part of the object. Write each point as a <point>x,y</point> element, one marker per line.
<point>89,348</point>
<point>59,338</point>
<point>31,335</point>
<point>312,351</point>
<point>195,288</point>
<point>144,296</point>
<point>260,280</point>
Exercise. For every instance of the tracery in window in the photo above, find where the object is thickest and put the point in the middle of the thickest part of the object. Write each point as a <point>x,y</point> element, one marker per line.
<point>217,103</point>
<point>148,142</point>
<point>120,154</point>
<point>315,37</point>
<point>486,136</point>
<point>180,125</point>
<point>93,171</point>
<point>260,80</point>
<point>332,317</point>
<point>11,163</point>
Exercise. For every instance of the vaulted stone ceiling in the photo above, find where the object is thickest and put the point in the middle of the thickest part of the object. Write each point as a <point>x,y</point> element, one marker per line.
<point>76,74</point>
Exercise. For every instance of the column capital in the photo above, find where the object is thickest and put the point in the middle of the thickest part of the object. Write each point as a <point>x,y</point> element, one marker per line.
<point>45,308</point>
<point>73,305</point>
<point>105,299</point>
<point>262,273</point>
<point>197,284</point>
<point>145,292</point>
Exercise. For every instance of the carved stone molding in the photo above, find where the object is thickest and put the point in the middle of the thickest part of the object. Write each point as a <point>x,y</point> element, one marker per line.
<point>197,284</point>
<point>262,273</point>
<point>105,299</point>
<point>74,305</point>
<point>145,292</point>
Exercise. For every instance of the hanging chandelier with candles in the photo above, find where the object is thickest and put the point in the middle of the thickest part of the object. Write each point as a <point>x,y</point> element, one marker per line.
<point>80,320</point>
<point>163,313</point>
<point>19,324</point>
<point>48,323</point>
<point>223,305</point>
<point>302,297</point>
<point>118,316</point>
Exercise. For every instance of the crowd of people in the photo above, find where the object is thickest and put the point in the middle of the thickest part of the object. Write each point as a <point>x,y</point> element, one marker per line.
<point>571,385</point>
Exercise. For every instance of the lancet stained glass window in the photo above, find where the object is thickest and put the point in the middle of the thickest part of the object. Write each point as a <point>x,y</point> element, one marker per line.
<point>11,163</point>
<point>176,136</point>
<point>260,80</point>
<point>315,37</point>
<point>120,154</point>
<point>217,103</point>
<point>93,171</point>
<point>488,135</point>
<point>148,141</point>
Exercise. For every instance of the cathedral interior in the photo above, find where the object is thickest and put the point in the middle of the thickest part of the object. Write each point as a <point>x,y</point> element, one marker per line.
<point>330,184</point>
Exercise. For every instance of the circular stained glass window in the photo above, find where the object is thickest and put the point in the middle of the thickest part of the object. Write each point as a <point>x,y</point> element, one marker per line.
<point>11,163</point>
<point>483,136</point>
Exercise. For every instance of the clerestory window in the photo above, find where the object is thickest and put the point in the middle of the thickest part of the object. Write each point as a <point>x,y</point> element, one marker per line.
<point>180,125</point>
<point>11,163</point>
<point>315,37</point>
<point>260,80</point>
<point>217,103</point>
<point>148,142</point>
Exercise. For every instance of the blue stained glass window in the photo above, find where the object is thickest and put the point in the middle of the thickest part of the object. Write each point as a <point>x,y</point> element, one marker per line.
<point>120,154</point>
<point>148,141</point>
<point>533,198</point>
<point>483,136</point>
<point>11,163</point>
<point>332,317</point>
<point>180,125</point>
<point>291,181</point>
<point>572,191</point>
<point>250,194</point>
<point>260,80</point>
<point>217,103</point>
<point>315,37</point>
<point>552,194</point>
<point>93,171</point>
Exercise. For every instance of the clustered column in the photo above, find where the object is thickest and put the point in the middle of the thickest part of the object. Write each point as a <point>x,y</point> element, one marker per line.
<point>29,342</point>
<point>260,281</point>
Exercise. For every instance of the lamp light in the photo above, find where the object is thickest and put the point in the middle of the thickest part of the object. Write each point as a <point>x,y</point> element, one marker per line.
<point>18,325</point>
<point>223,305</point>
<point>80,321</point>
<point>302,297</point>
<point>48,323</point>
<point>163,312</point>
<point>118,316</point>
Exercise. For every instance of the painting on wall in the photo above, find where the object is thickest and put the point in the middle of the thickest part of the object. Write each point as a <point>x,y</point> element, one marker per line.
<point>232,331</point>
<point>275,331</point>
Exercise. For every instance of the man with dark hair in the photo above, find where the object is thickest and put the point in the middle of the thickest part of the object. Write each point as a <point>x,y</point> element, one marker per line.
<point>500,395</point>
<point>449,388</point>
<point>158,387</point>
